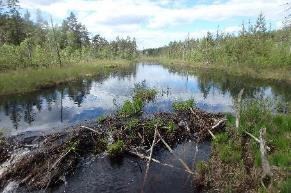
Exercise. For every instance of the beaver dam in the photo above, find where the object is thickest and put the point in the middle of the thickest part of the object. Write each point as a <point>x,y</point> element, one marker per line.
<point>43,162</point>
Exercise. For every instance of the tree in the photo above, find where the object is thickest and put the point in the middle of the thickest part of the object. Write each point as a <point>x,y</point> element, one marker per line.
<point>260,26</point>
<point>74,33</point>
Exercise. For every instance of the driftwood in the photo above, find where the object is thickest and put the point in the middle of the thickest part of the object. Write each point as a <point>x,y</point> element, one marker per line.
<point>267,173</point>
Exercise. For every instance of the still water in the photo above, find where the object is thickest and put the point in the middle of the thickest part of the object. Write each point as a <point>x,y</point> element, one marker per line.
<point>84,100</point>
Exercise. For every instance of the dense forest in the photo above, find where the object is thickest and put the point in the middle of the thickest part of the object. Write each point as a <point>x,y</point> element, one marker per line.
<point>27,43</point>
<point>256,44</point>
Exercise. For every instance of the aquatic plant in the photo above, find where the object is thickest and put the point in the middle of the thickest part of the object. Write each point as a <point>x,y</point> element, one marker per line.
<point>183,105</point>
<point>131,108</point>
<point>141,91</point>
<point>116,148</point>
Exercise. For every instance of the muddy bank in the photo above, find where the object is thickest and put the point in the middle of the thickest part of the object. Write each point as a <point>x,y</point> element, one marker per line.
<point>45,160</point>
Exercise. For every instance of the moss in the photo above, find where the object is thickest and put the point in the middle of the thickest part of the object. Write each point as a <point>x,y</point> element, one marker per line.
<point>184,105</point>
<point>116,148</point>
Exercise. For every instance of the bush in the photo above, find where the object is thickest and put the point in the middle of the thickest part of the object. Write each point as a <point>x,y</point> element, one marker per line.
<point>171,127</point>
<point>130,109</point>
<point>116,148</point>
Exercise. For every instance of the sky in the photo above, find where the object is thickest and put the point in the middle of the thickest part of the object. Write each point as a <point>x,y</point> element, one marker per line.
<point>155,23</point>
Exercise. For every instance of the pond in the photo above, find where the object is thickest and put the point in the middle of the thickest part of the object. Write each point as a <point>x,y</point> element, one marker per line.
<point>85,100</point>
<point>79,101</point>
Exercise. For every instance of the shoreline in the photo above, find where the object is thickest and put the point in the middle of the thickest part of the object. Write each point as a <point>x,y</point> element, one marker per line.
<point>269,73</point>
<point>30,80</point>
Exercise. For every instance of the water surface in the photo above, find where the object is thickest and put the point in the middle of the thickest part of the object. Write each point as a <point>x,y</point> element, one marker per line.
<point>78,101</point>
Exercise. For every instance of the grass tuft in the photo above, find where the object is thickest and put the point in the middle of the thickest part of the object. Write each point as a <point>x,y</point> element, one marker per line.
<point>184,105</point>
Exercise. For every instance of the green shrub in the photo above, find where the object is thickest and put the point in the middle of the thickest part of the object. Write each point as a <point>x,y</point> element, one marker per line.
<point>131,108</point>
<point>116,148</point>
<point>170,127</point>
<point>183,105</point>
<point>153,122</point>
<point>132,123</point>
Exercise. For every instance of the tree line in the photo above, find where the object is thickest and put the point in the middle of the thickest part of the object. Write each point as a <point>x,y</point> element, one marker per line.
<point>256,44</point>
<point>25,43</point>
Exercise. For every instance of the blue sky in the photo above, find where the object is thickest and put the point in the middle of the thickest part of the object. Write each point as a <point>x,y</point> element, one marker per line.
<point>155,23</point>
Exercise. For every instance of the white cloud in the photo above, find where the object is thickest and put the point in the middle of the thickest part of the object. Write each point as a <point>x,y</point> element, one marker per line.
<point>149,20</point>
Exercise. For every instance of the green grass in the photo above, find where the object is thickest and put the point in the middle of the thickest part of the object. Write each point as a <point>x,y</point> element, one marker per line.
<point>27,80</point>
<point>264,73</point>
<point>183,105</point>
<point>227,147</point>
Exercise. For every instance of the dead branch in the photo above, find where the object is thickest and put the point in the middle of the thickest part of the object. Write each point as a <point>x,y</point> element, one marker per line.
<point>256,139</point>
<point>237,120</point>
<point>214,127</point>
<point>218,123</point>
<point>142,156</point>
<point>192,111</point>
<point>93,130</point>
<point>212,135</point>
<point>172,152</point>
<point>150,157</point>
<point>267,173</point>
